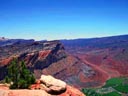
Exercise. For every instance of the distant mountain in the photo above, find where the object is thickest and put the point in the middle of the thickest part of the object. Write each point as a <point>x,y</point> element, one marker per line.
<point>3,39</point>
<point>5,42</point>
<point>107,54</point>
<point>103,42</point>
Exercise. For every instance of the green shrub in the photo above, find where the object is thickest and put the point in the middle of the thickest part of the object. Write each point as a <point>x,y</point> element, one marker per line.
<point>19,75</point>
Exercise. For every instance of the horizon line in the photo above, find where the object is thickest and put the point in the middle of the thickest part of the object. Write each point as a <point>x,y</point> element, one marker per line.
<point>65,38</point>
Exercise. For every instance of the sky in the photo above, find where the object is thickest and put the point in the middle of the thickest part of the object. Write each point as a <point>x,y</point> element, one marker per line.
<point>63,19</point>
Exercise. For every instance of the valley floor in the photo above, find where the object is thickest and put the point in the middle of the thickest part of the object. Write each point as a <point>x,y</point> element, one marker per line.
<point>113,87</point>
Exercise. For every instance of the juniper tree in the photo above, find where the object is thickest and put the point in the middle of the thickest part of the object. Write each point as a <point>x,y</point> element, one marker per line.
<point>19,75</point>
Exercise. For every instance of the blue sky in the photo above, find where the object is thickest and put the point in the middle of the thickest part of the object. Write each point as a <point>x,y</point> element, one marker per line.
<point>63,19</point>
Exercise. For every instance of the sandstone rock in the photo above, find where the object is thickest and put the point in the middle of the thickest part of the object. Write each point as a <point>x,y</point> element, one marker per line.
<point>71,91</point>
<point>4,86</point>
<point>3,93</point>
<point>46,86</point>
<point>23,93</point>
<point>52,84</point>
<point>35,86</point>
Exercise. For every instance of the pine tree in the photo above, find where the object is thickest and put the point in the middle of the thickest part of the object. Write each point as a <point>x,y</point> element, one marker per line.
<point>19,75</point>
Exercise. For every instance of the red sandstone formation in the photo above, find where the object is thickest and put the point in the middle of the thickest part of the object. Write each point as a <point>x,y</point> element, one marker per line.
<point>72,92</point>
<point>48,58</point>
<point>42,87</point>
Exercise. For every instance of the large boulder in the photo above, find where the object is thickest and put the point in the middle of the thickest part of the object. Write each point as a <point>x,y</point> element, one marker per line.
<point>52,85</point>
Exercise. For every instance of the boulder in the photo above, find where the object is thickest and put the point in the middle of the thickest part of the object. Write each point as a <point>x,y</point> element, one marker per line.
<point>52,85</point>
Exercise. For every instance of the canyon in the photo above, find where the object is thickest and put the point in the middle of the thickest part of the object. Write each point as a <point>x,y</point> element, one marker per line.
<point>81,63</point>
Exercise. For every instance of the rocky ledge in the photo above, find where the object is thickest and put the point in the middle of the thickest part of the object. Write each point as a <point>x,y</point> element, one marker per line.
<point>45,86</point>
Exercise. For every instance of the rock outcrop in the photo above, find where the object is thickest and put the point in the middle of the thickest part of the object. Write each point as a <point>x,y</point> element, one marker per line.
<point>46,86</point>
<point>23,93</point>
<point>70,92</point>
<point>48,58</point>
